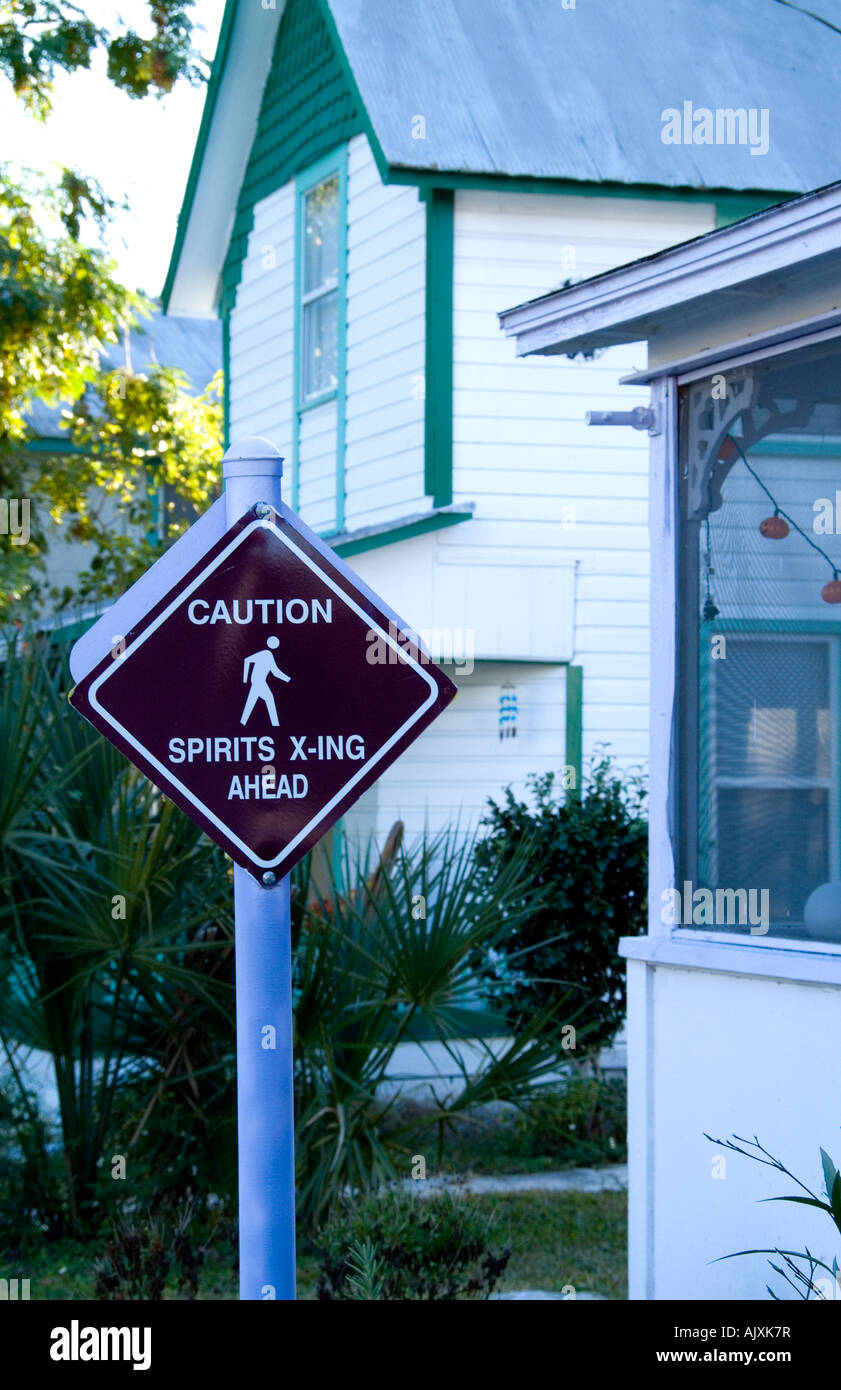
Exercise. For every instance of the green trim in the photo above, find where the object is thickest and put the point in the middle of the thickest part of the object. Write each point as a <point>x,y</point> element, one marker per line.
<point>341,352</point>
<point>438,426</point>
<point>317,401</point>
<point>337,857</point>
<point>226,374</point>
<point>323,7</point>
<point>308,109</point>
<point>810,627</point>
<point>574,724</point>
<point>216,73</point>
<point>53,446</point>
<point>305,180</point>
<point>739,203</point>
<point>733,207</point>
<point>794,448</point>
<point>398,532</point>
<point>73,629</point>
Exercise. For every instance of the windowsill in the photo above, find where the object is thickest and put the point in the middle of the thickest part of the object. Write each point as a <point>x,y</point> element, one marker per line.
<point>317,401</point>
<point>808,962</point>
<point>404,528</point>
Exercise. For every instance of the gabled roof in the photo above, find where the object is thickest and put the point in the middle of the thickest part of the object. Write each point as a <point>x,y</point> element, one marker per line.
<point>528,89</point>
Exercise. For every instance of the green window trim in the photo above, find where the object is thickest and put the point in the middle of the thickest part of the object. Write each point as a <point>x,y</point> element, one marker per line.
<point>574,724</point>
<point>829,447</point>
<point>226,379</point>
<point>438,426</point>
<point>335,163</point>
<point>391,532</point>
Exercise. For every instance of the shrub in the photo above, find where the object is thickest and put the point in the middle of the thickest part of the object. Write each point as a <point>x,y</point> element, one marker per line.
<point>397,1245</point>
<point>585,1119</point>
<point>588,867</point>
<point>141,1255</point>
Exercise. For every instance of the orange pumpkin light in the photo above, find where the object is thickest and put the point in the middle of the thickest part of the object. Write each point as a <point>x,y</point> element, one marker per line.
<point>831,592</point>
<point>774,528</point>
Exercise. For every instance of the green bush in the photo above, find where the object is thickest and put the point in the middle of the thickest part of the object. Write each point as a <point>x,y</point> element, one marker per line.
<point>585,1118</point>
<point>588,870</point>
<point>397,1245</point>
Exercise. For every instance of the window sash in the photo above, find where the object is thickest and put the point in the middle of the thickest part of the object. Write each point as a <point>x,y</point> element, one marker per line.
<point>314,385</point>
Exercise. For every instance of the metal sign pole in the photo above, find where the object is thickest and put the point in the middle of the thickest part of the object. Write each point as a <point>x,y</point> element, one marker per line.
<point>252,471</point>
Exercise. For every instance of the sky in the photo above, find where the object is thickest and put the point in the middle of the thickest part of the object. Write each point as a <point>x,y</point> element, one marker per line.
<point>139,150</point>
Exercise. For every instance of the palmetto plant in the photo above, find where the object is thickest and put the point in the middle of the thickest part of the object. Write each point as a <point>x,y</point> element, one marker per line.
<point>116,957</point>
<point>393,961</point>
<point>109,898</point>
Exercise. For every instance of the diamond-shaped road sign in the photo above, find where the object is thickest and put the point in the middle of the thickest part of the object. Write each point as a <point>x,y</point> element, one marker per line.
<point>264,692</point>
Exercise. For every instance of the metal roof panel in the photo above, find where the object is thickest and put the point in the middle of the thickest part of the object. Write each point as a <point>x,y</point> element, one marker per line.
<point>529,88</point>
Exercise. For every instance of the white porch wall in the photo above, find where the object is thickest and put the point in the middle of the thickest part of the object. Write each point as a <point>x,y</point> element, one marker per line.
<point>719,1053</point>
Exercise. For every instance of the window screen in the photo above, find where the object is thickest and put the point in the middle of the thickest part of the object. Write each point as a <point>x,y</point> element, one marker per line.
<point>759,841</point>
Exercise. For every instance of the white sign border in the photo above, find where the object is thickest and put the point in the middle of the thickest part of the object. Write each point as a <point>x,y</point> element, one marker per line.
<point>406,659</point>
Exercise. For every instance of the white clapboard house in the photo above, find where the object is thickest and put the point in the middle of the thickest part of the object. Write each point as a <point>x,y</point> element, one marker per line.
<point>373,182</point>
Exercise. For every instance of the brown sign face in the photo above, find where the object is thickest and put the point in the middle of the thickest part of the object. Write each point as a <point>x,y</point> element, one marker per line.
<point>264,693</point>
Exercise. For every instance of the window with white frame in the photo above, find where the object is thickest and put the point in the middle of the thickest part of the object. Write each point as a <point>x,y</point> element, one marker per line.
<point>759,839</point>
<point>320,290</point>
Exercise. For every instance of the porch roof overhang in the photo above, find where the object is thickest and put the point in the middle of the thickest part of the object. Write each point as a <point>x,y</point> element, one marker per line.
<point>739,287</point>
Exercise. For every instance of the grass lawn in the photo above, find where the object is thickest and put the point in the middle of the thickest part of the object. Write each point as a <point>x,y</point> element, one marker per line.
<point>558,1239</point>
<point>564,1238</point>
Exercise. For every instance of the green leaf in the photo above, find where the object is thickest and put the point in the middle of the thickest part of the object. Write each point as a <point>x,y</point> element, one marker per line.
<point>830,1172</point>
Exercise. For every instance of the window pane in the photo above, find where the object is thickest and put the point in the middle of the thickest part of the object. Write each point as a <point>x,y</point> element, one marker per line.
<point>776,840</point>
<point>320,342</point>
<point>772,709</point>
<point>321,242</point>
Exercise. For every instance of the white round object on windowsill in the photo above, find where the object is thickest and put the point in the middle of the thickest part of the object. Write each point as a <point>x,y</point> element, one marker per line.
<point>822,913</point>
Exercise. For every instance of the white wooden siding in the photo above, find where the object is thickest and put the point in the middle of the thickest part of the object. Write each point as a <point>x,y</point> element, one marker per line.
<point>385,345</point>
<point>262,327</point>
<point>539,476</point>
<point>317,467</point>
<point>447,775</point>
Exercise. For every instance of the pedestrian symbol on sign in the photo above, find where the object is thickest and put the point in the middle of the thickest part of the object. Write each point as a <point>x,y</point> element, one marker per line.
<point>262,665</point>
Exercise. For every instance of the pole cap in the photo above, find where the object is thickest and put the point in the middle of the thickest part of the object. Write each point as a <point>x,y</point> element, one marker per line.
<point>252,456</point>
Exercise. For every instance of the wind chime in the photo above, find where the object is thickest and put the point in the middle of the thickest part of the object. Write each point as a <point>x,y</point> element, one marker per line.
<point>507,711</point>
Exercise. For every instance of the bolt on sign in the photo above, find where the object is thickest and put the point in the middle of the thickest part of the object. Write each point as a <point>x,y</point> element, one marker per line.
<point>254,693</point>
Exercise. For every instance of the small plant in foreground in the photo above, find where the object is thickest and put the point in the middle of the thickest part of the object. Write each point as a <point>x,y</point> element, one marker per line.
<point>406,1246</point>
<point>804,1282</point>
<point>139,1256</point>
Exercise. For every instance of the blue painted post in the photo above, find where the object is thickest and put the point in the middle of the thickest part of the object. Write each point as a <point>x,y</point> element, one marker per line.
<point>252,471</point>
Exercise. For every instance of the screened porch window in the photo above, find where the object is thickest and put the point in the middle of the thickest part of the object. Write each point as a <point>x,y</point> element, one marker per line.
<point>320,290</point>
<point>759,839</point>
